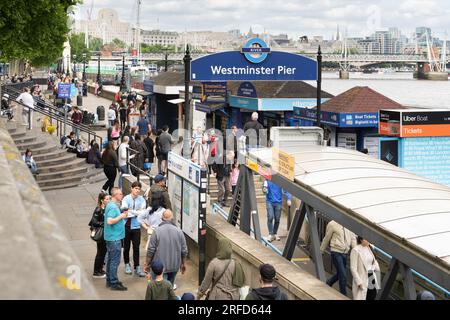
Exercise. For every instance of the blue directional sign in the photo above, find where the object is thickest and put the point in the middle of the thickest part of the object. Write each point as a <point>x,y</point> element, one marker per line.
<point>64,90</point>
<point>256,62</point>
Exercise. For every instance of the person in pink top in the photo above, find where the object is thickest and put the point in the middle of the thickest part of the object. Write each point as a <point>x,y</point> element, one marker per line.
<point>234,175</point>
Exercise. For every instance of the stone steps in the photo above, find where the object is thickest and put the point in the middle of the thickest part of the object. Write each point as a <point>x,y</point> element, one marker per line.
<point>55,155</point>
<point>61,174</point>
<point>60,158</point>
<point>58,168</point>
<point>65,165</point>
<point>71,180</point>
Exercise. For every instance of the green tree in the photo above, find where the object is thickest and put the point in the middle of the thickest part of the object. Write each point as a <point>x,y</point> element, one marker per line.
<point>145,48</point>
<point>119,44</point>
<point>95,44</point>
<point>34,30</point>
<point>78,48</point>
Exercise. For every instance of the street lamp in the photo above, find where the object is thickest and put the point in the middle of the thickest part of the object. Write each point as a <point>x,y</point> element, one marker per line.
<point>74,70</point>
<point>84,66</point>
<point>99,79</point>
<point>165,58</point>
<point>122,81</point>
<point>67,66</point>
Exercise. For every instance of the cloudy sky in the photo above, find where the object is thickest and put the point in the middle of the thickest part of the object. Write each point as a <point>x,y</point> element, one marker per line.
<point>294,17</point>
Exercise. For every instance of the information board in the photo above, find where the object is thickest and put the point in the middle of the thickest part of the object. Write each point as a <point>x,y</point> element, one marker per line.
<point>190,210</point>
<point>428,157</point>
<point>64,90</point>
<point>174,188</point>
<point>347,140</point>
<point>372,144</point>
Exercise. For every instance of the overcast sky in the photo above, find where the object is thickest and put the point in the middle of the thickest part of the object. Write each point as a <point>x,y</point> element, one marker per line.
<point>294,17</point>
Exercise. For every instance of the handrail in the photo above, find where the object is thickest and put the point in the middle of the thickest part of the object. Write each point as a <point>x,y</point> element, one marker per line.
<point>139,170</point>
<point>54,113</point>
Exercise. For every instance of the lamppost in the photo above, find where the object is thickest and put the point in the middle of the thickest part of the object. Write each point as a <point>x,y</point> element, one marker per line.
<point>84,66</point>
<point>187,104</point>
<point>67,66</point>
<point>99,79</point>
<point>165,58</point>
<point>74,70</point>
<point>123,86</point>
<point>319,86</point>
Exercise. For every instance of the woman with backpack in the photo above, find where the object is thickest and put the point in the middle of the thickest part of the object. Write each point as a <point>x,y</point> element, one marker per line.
<point>98,222</point>
<point>224,275</point>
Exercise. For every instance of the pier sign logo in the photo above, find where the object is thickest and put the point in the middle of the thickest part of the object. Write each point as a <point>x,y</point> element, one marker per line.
<point>256,50</point>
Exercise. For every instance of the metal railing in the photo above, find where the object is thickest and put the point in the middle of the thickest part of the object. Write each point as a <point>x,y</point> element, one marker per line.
<point>54,114</point>
<point>136,168</point>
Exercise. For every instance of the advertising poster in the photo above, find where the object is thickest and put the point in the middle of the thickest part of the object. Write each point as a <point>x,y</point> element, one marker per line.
<point>372,144</point>
<point>174,188</point>
<point>347,141</point>
<point>190,210</point>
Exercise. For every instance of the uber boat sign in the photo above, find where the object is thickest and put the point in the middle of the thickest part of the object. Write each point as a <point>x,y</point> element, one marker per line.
<point>255,62</point>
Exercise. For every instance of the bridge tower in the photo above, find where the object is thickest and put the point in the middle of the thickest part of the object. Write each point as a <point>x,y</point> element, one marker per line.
<point>435,68</point>
<point>344,65</point>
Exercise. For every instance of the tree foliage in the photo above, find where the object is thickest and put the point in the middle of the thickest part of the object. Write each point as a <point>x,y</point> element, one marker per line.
<point>145,48</point>
<point>34,30</point>
<point>78,48</point>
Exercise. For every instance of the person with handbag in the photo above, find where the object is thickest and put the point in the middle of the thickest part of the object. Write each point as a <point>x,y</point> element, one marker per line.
<point>224,275</point>
<point>365,271</point>
<point>97,224</point>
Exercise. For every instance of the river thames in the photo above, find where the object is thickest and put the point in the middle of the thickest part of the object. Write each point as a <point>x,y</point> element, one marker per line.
<point>401,87</point>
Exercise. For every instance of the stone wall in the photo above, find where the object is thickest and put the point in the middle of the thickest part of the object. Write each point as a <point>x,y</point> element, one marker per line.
<point>37,260</point>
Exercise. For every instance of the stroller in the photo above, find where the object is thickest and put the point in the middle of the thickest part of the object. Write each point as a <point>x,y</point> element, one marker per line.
<point>6,110</point>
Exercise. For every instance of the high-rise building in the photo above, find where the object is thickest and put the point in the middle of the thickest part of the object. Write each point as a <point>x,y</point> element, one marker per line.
<point>107,27</point>
<point>236,33</point>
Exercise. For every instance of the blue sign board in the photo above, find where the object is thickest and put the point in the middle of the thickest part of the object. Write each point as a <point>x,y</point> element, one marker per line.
<point>342,120</point>
<point>64,90</point>
<point>247,89</point>
<point>287,104</point>
<point>256,62</point>
<point>244,103</point>
<point>330,118</point>
<point>355,120</point>
<point>148,86</point>
<point>428,157</point>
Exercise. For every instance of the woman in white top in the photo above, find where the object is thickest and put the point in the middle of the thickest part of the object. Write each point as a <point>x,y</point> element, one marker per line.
<point>365,271</point>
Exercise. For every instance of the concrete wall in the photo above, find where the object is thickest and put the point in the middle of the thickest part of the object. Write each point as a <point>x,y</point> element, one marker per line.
<point>298,284</point>
<point>37,259</point>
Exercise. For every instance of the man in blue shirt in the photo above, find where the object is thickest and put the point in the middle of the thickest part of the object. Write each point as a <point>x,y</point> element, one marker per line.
<point>114,233</point>
<point>143,126</point>
<point>136,205</point>
<point>274,199</point>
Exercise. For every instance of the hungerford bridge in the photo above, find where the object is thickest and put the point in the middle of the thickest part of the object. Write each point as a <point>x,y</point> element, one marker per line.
<point>354,59</point>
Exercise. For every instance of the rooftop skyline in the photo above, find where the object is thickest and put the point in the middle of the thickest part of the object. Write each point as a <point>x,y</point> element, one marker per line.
<point>296,18</point>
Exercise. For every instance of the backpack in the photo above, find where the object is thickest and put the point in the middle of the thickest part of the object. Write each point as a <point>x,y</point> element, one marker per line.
<point>62,141</point>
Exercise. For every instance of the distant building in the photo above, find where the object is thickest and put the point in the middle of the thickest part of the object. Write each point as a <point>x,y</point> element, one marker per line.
<point>158,37</point>
<point>208,41</point>
<point>235,33</point>
<point>369,46</point>
<point>107,27</point>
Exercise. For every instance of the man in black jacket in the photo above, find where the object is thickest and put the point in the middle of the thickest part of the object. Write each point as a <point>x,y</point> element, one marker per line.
<point>267,290</point>
<point>253,131</point>
<point>223,175</point>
